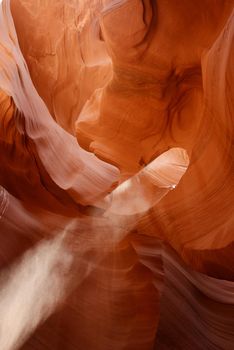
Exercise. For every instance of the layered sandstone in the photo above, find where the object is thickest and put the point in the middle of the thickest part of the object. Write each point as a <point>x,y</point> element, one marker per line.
<point>116,203</point>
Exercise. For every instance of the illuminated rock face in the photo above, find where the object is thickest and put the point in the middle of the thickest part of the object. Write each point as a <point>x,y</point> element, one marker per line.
<point>105,107</point>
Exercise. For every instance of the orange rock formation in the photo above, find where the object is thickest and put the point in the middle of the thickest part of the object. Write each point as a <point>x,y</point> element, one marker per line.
<point>116,203</point>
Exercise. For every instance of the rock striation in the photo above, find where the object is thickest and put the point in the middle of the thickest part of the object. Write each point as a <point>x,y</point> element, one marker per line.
<point>116,176</point>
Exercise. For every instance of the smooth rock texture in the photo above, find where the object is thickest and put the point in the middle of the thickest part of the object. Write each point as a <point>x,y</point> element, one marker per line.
<point>117,174</point>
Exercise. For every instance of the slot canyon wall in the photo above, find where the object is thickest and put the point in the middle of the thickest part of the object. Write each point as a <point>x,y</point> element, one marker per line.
<point>116,175</point>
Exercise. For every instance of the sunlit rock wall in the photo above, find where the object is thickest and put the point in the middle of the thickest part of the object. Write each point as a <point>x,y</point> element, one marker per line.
<point>117,174</point>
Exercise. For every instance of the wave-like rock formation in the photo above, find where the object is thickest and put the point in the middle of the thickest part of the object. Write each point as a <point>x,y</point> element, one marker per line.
<point>116,175</point>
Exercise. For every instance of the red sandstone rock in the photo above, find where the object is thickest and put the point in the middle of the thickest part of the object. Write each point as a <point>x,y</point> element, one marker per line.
<point>93,96</point>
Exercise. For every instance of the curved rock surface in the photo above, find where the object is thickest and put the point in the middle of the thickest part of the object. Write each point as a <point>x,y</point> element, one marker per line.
<point>116,153</point>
